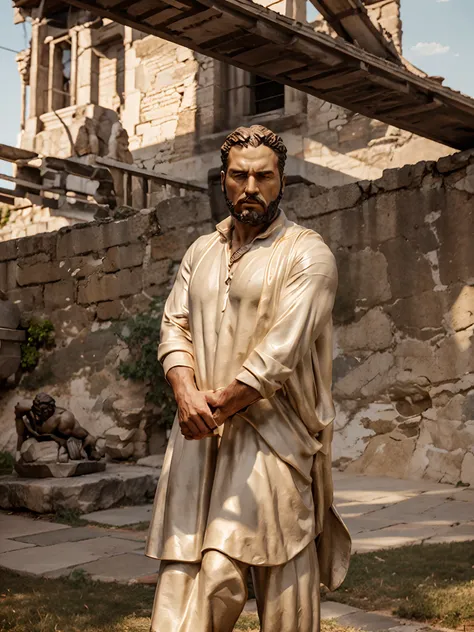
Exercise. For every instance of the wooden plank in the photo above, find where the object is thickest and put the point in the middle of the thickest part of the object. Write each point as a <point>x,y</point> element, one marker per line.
<point>160,178</point>
<point>261,54</point>
<point>194,18</point>
<point>12,154</point>
<point>280,67</point>
<point>335,80</point>
<point>163,17</point>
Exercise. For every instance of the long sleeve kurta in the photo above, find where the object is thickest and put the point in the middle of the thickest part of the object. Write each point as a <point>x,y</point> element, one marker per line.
<point>261,490</point>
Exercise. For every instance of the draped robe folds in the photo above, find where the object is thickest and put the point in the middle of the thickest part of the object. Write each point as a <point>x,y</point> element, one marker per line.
<point>261,490</point>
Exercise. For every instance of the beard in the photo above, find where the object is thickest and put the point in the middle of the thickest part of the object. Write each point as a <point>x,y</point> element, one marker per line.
<point>254,217</point>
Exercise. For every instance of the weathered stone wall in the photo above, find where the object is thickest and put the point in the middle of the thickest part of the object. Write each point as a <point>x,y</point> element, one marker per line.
<point>404,315</point>
<point>31,220</point>
<point>82,278</point>
<point>404,358</point>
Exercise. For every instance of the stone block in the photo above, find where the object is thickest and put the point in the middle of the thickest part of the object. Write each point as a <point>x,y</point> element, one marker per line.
<point>109,287</point>
<point>125,568</point>
<point>455,161</point>
<point>402,255</point>
<point>368,379</point>
<point>444,466</point>
<point>81,267</point>
<point>43,243</point>
<point>455,228</point>
<point>44,451</point>
<point>45,559</point>
<point>116,436</point>
<point>20,527</point>
<point>41,272</point>
<point>384,455</point>
<point>467,469</point>
<point>154,460</point>
<point>78,241</point>
<point>28,299</point>
<point>461,313</point>
<point>120,257</point>
<point>110,310</point>
<point>157,273</point>
<point>59,295</point>
<point>373,331</point>
<point>184,211</point>
<point>442,434</point>
<point>174,243</point>
<point>407,176</point>
<point>421,315</point>
<point>128,230</point>
<point>8,250</point>
<point>118,485</point>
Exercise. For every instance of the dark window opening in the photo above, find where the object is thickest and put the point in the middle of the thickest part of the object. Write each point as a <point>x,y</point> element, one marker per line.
<point>267,95</point>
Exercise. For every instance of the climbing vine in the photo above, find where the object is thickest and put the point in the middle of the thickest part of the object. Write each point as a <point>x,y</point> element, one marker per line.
<point>141,334</point>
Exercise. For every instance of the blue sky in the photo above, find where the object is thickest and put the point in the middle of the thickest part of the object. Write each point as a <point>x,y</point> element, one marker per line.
<point>437,37</point>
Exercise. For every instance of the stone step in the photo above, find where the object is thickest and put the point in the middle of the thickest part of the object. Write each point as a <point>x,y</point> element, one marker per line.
<point>118,485</point>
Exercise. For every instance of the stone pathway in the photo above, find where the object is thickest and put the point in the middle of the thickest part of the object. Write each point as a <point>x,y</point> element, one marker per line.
<point>379,512</point>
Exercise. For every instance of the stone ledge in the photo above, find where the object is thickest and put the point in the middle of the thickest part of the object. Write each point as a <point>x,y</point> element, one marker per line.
<point>118,485</point>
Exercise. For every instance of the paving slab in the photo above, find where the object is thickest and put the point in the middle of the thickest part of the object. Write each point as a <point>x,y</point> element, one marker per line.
<point>450,512</point>
<point>124,568</point>
<point>74,534</point>
<point>17,526</point>
<point>368,621</point>
<point>335,610</point>
<point>458,533</point>
<point>39,560</point>
<point>11,545</point>
<point>121,516</point>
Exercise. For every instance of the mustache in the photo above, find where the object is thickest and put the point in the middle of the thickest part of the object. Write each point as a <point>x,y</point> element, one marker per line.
<point>253,198</point>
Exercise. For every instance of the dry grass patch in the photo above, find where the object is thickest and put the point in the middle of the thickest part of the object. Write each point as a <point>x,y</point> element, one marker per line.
<point>433,583</point>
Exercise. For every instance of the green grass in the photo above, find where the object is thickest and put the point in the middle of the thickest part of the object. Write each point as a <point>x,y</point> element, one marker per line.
<point>432,583</point>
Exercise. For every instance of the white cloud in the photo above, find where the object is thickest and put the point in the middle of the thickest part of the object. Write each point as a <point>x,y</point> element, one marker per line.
<point>443,0</point>
<point>430,48</point>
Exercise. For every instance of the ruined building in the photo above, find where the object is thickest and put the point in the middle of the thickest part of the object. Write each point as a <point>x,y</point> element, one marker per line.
<point>83,76</point>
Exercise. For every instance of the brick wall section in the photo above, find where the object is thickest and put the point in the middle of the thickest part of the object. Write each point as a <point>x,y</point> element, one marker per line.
<point>105,270</point>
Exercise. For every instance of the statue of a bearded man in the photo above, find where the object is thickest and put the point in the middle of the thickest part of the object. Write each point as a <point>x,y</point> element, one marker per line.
<point>246,344</point>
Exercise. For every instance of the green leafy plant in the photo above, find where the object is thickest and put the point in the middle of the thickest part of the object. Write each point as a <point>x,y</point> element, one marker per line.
<point>6,463</point>
<point>5,212</point>
<point>141,334</point>
<point>39,335</point>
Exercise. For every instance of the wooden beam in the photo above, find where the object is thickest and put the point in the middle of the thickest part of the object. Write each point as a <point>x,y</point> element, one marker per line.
<point>12,154</point>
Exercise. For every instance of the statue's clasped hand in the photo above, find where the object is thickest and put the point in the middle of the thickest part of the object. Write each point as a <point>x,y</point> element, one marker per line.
<point>199,414</point>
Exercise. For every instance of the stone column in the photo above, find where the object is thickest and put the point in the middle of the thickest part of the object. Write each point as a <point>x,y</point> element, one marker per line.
<point>87,68</point>
<point>39,69</point>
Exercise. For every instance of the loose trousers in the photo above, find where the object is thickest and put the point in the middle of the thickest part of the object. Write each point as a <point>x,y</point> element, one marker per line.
<point>210,596</point>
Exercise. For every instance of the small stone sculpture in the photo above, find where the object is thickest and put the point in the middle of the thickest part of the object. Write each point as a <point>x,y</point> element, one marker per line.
<point>118,144</point>
<point>51,442</point>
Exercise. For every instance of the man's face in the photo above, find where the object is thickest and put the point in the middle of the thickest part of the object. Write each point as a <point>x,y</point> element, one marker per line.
<point>43,411</point>
<point>252,184</point>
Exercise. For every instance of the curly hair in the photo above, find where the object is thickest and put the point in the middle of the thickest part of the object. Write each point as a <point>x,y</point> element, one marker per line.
<point>254,136</point>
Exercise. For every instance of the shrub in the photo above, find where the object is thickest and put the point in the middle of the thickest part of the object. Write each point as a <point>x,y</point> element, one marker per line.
<point>39,335</point>
<point>141,334</point>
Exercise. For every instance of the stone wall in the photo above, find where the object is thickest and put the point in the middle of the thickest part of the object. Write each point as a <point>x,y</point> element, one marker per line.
<point>30,220</point>
<point>82,278</point>
<point>404,315</point>
<point>404,358</point>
